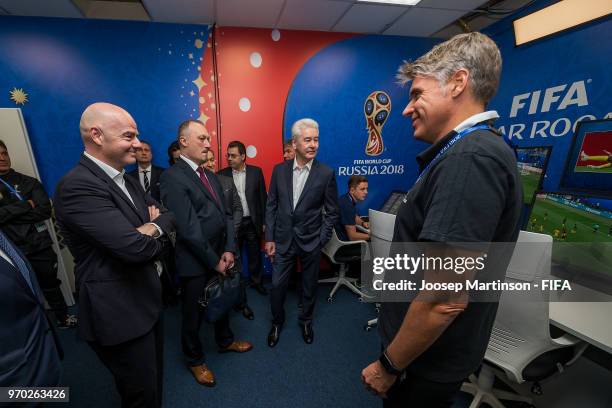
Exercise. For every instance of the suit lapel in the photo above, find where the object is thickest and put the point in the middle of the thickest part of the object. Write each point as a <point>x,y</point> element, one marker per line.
<point>309,181</point>
<point>11,272</point>
<point>289,175</point>
<point>137,195</point>
<point>193,176</point>
<point>94,168</point>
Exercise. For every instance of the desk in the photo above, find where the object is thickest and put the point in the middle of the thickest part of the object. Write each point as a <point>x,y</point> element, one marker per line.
<point>589,321</point>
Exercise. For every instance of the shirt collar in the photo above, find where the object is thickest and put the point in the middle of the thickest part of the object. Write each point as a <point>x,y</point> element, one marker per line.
<point>140,169</point>
<point>351,199</point>
<point>109,170</point>
<point>477,118</point>
<point>190,163</point>
<point>428,154</point>
<point>307,165</point>
<point>239,171</point>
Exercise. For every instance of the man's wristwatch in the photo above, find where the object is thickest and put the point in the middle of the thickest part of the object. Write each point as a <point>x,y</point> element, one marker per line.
<point>385,361</point>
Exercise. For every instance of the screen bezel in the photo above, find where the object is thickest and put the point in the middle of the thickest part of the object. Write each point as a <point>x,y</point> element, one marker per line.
<point>564,189</point>
<point>544,170</point>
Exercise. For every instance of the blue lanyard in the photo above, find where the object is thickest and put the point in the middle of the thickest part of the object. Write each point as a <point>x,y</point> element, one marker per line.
<point>448,145</point>
<point>12,190</point>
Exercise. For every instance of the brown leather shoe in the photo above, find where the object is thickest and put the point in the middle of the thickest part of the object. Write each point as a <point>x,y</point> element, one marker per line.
<point>203,375</point>
<point>237,346</point>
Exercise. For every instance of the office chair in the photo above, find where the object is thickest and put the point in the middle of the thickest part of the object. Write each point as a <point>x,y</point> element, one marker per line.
<point>381,235</point>
<point>521,348</point>
<point>333,250</point>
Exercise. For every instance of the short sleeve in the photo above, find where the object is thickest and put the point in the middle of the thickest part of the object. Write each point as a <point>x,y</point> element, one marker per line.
<point>347,212</point>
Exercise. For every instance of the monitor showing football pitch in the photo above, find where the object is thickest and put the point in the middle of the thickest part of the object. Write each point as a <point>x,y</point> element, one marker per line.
<point>532,162</point>
<point>589,164</point>
<point>581,227</point>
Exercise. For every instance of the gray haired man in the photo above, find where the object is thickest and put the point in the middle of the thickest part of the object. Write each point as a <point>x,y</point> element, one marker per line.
<point>468,191</point>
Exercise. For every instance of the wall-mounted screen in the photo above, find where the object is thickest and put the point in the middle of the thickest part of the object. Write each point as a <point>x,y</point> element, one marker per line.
<point>532,162</point>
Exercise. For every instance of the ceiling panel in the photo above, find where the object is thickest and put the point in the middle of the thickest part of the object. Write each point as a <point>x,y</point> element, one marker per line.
<point>466,5</point>
<point>422,22</point>
<point>238,13</point>
<point>368,18</point>
<point>312,14</point>
<point>47,8</point>
<point>181,11</point>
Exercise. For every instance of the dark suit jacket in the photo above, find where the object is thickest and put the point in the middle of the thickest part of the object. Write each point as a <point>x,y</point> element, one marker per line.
<point>29,356</point>
<point>255,192</point>
<point>156,173</point>
<point>205,227</point>
<point>232,200</point>
<point>119,292</point>
<point>311,223</point>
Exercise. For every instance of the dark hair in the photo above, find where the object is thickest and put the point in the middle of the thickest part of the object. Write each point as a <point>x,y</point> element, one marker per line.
<point>174,146</point>
<point>145,142</point>
<point>354,181</point>
<point>239,145</point>
<point>185,124</point>
<point>2,145</point>
<point>288,142</point>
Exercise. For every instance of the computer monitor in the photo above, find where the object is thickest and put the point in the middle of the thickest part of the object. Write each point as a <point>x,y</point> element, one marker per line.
<point>532,163</point>
<point>585,221</point>
<point>588,168</point>
<point>393,202</point>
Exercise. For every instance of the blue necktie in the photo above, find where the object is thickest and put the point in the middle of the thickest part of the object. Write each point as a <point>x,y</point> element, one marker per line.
<point>18,262</point>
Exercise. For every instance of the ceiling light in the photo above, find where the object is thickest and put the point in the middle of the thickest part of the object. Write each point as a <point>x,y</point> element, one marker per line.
<point>396,2</point>
<point>560,16</point>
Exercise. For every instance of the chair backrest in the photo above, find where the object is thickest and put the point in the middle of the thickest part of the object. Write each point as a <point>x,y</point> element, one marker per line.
<point>332,246</point>
<point>381,235</point>
<point>521,330</point>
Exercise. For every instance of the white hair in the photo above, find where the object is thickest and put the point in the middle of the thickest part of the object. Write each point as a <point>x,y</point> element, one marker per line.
<point>300,125</point>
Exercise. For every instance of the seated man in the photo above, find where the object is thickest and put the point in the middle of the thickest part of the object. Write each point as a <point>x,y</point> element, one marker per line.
<point>346,226</point>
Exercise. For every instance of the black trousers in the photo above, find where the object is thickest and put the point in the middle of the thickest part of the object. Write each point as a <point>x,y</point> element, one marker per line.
<point>419,392</point>
<point>192,317</point>
<point>248,234</point>
<point>283,266</point>
<point>137,366</point>
<point>44,264</point>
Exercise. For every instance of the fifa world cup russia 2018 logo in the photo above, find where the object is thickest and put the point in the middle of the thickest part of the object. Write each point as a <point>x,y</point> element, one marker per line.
<point>376,110</point>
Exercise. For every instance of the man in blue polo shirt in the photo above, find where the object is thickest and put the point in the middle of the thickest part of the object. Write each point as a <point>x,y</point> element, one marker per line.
<point>346,226</point>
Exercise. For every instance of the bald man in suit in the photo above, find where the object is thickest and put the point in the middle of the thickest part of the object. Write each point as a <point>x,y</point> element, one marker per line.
<point>116,233</point>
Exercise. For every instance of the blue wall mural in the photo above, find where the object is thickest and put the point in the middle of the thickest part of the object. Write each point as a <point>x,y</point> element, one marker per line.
<point>333,87</point>
<point>65,64</point>
<point>549,85</point>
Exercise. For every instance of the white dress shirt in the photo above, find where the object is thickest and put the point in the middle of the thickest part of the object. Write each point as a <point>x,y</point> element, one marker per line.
<point>300,175</point>
<point>117,177</point>
<point>114,174</point>
<point>239,177</point>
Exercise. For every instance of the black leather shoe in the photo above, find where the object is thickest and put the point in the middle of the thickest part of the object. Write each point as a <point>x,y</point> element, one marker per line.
<point>307,333</point>
<point>260,289</point>
<point>274,335</point>
<point>248,313</point>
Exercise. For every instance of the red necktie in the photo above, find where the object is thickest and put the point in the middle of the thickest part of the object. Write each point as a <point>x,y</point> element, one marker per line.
<point>206,183</point>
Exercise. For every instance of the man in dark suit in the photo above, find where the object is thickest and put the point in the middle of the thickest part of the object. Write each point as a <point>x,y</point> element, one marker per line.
<point>116,232</point>
<point>232,200</point>
<point>301,210</point>
<point>251,188</point>
<point>147,174</point>
<point>205,242</point>
<point>29,355</point>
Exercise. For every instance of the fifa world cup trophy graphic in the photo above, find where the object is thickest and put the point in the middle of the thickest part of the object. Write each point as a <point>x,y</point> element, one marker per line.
<point>376,110</point>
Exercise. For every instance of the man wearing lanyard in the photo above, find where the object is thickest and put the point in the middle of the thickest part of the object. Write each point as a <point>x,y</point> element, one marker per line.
<point>24,208</point>
<point>468,191</point>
